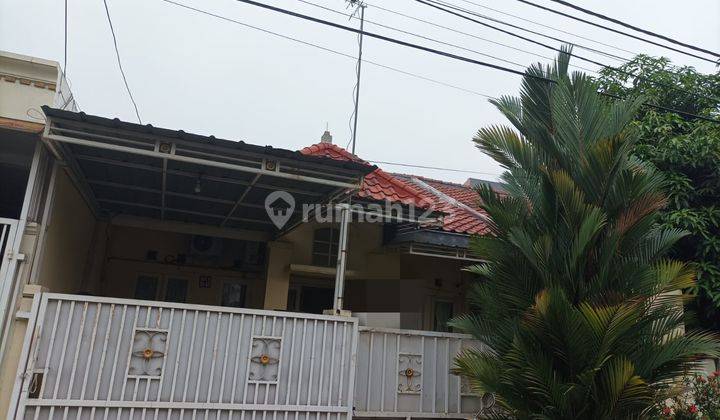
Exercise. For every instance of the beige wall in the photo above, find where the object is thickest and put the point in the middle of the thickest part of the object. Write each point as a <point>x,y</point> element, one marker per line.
<point>380,280</point>
<point>68,239</point>
<point>25,83</point>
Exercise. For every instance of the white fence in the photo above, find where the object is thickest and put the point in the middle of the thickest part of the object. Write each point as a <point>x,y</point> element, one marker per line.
<point>8,271</point>
<point>404,373</point>
<point>94,357</point>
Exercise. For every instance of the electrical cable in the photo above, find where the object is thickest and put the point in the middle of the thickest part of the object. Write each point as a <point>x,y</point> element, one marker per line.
<point>329,50</point>
<point>449,44</point>
<point>446,54</point>
<point>437,168</point>
<point>530,31</point>
<point>545,57</point>
<point>117,54</point>
<point>615,47</point>
<point>435,4</point>
<point>557,12</point>
<point>635,28</point>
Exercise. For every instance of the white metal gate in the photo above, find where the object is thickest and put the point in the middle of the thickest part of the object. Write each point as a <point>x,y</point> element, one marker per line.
<point>92,357</point>
<point>406,374</point>
<point>8,268</point>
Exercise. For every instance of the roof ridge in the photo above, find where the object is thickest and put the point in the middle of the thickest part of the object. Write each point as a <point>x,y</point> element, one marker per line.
<point>425,178</point>
<point>449,199</point>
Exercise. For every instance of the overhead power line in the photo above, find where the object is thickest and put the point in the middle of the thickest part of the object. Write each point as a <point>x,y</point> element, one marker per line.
<point>437,168</point>
<point>390,39</point>
<point>635,28</point>
<point>557,12</point>
<point>117,55</point>
<point>449,44</point>
<point>436,25</point>
<point>446,54</point>
<point>329,50</point>
<point>530,31</point>
<point>455,12</point>
<point>552,28</point>
<point>65,39</point>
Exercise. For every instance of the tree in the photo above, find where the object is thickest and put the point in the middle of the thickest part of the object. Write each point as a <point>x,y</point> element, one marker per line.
<point>687,151</point>
<point>579,310</point>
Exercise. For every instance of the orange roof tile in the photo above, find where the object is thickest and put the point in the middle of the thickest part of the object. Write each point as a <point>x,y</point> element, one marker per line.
<point>462,211</point>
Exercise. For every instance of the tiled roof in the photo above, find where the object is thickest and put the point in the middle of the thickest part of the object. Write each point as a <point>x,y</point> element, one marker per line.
<point>378,185</point>
<point>459,203</point>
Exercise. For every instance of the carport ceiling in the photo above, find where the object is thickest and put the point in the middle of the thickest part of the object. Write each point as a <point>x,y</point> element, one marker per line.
<point>149,172</point>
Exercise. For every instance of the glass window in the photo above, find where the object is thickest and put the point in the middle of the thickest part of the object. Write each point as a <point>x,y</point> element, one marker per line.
<point>234,294</point>
<point>443,312</point>
<point>146,287</point>
<point>325,247</point>
<point>176,290</point>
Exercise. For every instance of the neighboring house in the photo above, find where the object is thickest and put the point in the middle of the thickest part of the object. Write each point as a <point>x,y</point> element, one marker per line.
<point>143,274</point>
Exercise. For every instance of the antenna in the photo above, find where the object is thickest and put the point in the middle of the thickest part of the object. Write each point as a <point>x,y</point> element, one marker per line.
<point>358,5</point>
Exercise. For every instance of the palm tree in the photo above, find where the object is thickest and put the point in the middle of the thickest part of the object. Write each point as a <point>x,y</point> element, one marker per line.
<point>581,314</point>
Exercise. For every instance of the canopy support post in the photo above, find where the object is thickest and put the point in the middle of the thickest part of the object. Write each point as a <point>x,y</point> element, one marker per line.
<point>341,258</point>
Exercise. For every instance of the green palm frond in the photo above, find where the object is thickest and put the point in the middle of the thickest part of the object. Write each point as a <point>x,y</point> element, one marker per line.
<point>578,307</point>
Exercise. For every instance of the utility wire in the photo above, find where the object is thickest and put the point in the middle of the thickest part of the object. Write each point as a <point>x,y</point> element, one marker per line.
<point>548,26</point>
<point>530,31</point>
<point>447,54</point>
<point>65,38</point>
<point>117,54</point>
<point>408,165</point>
<point>391,40</point>
<point>474,36</point>
<point>329,50</point>
<point>635,28</point>
<point>356,89</point>
<point>416,35</point>
<point>552,28</point>
<point>557,12</point>
<point>437,168</point>
<point>439,6</point>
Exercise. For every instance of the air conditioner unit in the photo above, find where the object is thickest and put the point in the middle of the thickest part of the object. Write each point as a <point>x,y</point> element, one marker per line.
<point>205,245</point>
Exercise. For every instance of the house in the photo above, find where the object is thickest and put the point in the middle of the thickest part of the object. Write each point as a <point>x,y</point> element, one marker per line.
<point>149,271</point>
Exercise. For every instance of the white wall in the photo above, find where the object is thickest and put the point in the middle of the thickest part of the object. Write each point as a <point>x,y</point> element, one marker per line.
<point>26,83</point>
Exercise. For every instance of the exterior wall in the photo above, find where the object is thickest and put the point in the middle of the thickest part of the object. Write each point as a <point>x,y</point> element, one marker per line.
<point>278,275</point>
<point>125,259</point>
<point>68,238</point>
<point>27,83</point>
<point>381,281</point>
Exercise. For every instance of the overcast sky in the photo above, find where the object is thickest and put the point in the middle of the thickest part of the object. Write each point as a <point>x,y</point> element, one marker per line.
<point>198,73</point>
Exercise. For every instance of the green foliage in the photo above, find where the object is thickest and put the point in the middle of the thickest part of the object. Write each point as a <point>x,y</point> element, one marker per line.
<point>688,153</point>
<point>576,303</point>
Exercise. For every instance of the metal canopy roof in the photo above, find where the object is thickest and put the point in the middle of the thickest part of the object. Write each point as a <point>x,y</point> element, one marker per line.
<point>141,170</point>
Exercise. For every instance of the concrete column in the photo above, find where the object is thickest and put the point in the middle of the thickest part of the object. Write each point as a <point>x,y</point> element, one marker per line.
<point>278,275</point>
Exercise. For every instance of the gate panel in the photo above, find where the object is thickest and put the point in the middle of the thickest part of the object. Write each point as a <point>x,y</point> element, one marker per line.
<point>406,373</point>
<point>8,268</point>
<point>115,358</point>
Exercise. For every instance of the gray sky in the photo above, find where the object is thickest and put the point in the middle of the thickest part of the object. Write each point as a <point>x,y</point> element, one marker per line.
<point>203,75</point>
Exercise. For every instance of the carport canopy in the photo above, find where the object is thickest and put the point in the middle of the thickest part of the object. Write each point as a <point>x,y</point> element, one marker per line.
<point>124,168</point>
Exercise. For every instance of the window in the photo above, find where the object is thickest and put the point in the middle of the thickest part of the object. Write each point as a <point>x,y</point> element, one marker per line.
<point>176,290</point>
<point>325,247</point>
<point>234,294</point>
<point>146,287</point>
<point>442,313</point>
